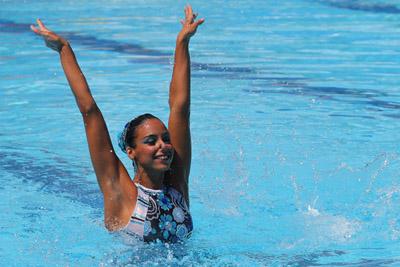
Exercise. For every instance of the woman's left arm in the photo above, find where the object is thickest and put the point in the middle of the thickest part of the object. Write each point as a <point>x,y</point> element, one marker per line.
<point>179,104</point>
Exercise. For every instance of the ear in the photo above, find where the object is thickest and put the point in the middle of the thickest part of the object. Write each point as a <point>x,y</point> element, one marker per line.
<point>131,153</point>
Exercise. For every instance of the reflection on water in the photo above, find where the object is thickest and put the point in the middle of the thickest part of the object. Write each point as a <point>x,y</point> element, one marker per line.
<point>363,5</point>
<point>285,85</point>
<point>363,97</point>
<point>55,176</point>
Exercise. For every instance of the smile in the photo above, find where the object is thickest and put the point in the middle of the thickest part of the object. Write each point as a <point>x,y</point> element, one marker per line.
<point>163,157</point>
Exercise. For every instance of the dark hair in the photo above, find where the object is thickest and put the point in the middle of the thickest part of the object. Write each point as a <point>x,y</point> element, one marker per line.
<point>127,137</point>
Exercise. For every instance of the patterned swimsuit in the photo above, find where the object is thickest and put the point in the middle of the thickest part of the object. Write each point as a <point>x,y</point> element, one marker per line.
<point>160,215</point>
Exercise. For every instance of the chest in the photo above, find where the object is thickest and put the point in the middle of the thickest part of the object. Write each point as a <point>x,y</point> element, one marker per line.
<point>161,215</point>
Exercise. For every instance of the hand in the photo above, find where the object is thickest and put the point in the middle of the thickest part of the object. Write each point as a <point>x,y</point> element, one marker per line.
<point>51,39</point>
<point>189,24</point>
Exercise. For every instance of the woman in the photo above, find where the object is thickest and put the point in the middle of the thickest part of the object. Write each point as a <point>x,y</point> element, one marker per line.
<point>154,205</point>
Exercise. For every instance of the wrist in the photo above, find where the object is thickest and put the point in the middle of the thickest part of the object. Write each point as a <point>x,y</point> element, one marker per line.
<point>182,39</point>
<point>64,45</point>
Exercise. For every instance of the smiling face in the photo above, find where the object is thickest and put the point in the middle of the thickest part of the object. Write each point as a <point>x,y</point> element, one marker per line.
<point>153,150</point>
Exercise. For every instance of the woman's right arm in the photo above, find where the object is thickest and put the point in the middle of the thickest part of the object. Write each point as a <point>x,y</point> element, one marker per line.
<point>108,168</point>
<point>105,162</point>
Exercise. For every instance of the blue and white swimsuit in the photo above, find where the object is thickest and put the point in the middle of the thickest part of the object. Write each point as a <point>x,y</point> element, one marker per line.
<point>160,215</point>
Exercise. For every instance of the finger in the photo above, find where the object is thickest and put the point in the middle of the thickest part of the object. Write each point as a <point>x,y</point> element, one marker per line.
<point>190,10</point>
<point>186,12</point>
<point>41,25</point>
<point>35,30</point>
<point>190,17</point>
<point>199,22</point>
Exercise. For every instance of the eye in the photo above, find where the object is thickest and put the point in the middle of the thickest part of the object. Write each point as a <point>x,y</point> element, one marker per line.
<point>166,139</point>
<point>151,140</point>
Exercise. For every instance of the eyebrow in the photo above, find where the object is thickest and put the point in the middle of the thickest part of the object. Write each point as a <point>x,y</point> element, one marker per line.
<point>154,135</point>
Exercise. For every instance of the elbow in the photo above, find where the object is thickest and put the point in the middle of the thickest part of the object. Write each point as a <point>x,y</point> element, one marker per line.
<point>113,224</point>
<point>87,108</point>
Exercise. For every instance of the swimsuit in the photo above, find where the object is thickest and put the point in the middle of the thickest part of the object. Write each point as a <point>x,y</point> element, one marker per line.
<point>160,215</point>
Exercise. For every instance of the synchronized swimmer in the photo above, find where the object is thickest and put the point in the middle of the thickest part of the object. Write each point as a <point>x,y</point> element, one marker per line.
<point>154,205</point>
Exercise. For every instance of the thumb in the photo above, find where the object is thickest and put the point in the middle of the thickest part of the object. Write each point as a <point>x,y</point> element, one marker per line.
<point>199,22</point>
<point>35,30</point>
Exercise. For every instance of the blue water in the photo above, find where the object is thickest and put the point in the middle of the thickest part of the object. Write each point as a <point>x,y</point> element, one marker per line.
<point>295,128</point>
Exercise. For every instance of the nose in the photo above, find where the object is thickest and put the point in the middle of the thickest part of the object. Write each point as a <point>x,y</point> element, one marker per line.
<point>164,145</point>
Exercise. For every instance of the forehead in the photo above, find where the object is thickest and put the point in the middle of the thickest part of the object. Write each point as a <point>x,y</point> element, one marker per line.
<point>151,126</point>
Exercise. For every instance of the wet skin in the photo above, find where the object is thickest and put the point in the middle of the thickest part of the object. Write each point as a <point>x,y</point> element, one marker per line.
<point>153,152</point>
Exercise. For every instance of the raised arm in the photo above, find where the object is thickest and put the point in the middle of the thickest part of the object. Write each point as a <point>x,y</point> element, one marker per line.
<point>179,103</point>
<point>106,164</point>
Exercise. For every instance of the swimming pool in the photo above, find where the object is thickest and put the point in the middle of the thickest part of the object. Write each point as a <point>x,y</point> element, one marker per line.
<point>295,131</point>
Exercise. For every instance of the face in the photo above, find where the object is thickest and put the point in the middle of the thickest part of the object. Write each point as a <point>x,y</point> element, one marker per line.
<point>153,150</point>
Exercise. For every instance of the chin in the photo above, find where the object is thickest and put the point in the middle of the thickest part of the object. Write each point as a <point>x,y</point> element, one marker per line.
<point>165,168</point>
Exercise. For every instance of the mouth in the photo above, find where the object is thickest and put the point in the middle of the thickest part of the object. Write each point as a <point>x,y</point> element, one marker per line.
<point>164,157</point>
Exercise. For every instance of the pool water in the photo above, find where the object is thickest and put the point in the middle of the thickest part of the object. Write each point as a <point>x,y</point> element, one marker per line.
<point>295,130</point>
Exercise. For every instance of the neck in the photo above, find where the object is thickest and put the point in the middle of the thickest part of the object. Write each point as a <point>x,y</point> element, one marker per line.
<point>149,180</point>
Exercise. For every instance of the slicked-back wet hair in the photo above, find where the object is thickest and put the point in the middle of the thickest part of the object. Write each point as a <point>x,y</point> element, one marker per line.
<point>128,135</point>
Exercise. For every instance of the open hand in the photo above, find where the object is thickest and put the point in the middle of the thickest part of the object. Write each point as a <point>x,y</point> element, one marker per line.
<point>189,24</point>
<point>51,39</point>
